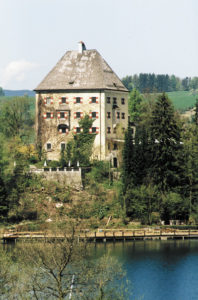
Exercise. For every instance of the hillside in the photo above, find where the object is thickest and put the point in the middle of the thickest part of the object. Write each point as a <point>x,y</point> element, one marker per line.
<point>183,100</point>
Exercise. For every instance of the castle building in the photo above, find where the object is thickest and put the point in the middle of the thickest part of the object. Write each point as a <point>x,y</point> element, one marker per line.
<point>82,83</point>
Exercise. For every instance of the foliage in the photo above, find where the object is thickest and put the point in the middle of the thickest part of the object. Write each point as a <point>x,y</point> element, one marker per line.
<point>15,117</point>
<point>166,148</point>
<point>152,83</point>
<point>80,148</point>
<point>134,105</point>
<point>55,266</point>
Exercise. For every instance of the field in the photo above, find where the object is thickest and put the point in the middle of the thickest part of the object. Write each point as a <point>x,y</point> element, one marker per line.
<point>183,100</point>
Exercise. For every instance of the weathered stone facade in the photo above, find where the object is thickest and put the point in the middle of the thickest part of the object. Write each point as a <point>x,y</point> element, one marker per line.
<point>59,109</point>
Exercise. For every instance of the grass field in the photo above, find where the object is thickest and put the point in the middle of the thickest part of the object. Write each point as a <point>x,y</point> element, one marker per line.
<point>183,100</point>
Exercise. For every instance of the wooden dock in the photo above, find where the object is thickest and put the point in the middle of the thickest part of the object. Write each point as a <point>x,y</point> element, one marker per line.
<point>105,235</point>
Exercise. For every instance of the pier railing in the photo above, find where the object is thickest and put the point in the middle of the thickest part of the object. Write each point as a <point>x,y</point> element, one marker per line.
<point>105,234</point>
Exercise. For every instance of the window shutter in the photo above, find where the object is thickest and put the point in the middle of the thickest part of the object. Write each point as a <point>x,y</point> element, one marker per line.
<point>97,100</point>
<point>75,130</point>
<point>96,115</point>
<point>45,100</point>
<point>90,100</point>
<point>75,115</point>
<point>81,129</point>
<point>74,100</point>
<point>65,115</point>
<point>44,115</point>
<point>58,115</point>
<point>60,131</point>
<point>81,115</point>
<point>90,130</point>
<point>97,129</point>
<point>52,116</point>
<point>90,115</point>
<point>67,130</point>
<point>52,100</point>
<point>60,100</point>
<point>81,100</point>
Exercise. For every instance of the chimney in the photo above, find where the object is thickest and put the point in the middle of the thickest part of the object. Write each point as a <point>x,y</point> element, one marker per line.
<point>81,47</point>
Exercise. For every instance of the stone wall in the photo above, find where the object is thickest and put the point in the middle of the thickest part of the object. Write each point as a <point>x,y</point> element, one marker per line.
<point>67,176</point>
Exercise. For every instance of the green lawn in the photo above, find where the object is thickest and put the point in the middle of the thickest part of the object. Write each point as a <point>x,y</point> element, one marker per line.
<point>183,100</point>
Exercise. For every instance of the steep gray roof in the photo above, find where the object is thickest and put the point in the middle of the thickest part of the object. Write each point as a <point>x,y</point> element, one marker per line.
<point>86,70</point>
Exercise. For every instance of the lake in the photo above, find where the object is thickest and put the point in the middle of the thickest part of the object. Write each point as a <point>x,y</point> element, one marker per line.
<point>158,270</point>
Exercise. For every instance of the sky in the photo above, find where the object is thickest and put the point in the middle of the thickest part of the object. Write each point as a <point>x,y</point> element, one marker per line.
<point>133,36</point>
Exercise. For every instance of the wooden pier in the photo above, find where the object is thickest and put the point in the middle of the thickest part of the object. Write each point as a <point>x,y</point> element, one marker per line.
<point>105,235</point>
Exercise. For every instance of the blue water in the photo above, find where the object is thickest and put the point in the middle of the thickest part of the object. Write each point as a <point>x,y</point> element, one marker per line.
<point>158,270</point>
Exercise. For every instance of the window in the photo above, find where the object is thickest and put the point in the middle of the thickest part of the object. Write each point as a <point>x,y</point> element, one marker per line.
<point>114,130</point>
<point>62,115</point>
<point>118,115</point>
<point>78,115</point>
<point>93,129</point>
<point>109,146</point>
<point>108,129</point>
<point>93,99</point>
<point>63,100</point>
<point>123,115</point>
<point>123,130</point>
<point>108,115</point>
<point>48,115</point>
<point>63,146</point>
<point>77,129</point>
<point>93,114</point>
<point>48,100</point>
<point>114,100</point>
<point>108,99</point>
<point>123,101</point>
<point>49,146</point>
<point>63,128</point>
<point>77,99</point>
<point>115,146</point>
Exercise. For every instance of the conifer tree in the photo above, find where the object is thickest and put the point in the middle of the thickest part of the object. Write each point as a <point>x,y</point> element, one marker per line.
<point>167,156</point>
<point>128,162</point>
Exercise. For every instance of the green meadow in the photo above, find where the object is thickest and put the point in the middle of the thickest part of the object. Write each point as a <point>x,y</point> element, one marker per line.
<point>183,100</point>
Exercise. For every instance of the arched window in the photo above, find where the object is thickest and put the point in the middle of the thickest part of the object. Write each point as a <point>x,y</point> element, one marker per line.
<point>63,128</point>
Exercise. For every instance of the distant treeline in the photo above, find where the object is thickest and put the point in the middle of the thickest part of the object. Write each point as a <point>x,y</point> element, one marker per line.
<point>16,93</point>
<point>151,83</point>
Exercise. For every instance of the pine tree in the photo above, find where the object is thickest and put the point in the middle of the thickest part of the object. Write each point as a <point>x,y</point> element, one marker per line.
<point>166,147</point>
<point>128,162</point>
<point>3,203</point>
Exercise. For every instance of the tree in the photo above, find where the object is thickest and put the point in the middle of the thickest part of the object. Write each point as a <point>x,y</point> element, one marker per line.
<point>1,92</point>
<point>166,147</point>
<point>62,269</point>
<point>135,100</point>
<point>128,162</point>
<point>15,116</point>
<point>80,148</point>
